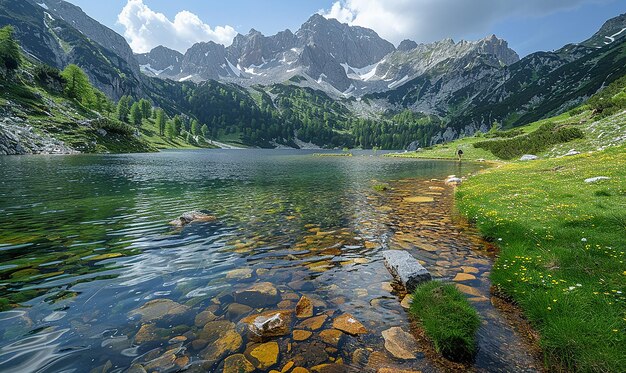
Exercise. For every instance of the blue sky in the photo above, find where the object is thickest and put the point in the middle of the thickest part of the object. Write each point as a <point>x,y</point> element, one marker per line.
<point>529,26</point>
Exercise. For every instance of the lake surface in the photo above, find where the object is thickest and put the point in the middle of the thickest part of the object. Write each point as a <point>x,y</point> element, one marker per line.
<point>104,283</point>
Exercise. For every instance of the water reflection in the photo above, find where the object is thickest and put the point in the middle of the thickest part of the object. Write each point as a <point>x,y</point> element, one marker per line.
<point>87,254</point>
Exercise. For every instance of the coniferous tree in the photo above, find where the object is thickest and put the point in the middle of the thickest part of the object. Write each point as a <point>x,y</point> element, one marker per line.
<point>77,85</point>
<point>178,124</point>
<point>195,127</point>
<point>170,129</point>
<point>160,120</point>
<point>146,108</point>
<point>136,115</point>
<point>204,130</point>
<point>123,108</point>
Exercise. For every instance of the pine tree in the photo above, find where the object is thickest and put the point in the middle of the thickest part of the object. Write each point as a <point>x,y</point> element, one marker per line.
<point>146,108</point>
<point>204,130</point>
<point>178,125</point>
<point>77,85</point>
<point>170,129</point>
<point>136,115</point>
<point>195,127</point>
<point>123,108</point>
<point>160,120</point>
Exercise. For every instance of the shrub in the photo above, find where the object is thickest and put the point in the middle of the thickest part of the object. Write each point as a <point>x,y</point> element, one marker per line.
<point>10,56</point>
<point>545,136</point>
<point>448,319</point>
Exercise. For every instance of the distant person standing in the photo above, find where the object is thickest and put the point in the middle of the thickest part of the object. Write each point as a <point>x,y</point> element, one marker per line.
<point>459,154</point>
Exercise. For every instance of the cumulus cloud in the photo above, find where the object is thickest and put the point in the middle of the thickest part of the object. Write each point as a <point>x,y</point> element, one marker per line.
<point>430,20</point>
<point>146,29</point>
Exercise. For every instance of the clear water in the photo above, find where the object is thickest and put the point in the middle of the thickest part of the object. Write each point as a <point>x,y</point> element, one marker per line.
<point>85,240</point>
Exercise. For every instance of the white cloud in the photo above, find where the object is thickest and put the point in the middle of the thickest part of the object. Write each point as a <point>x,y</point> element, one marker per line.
<point>430,20</point>
<point>146,29</point>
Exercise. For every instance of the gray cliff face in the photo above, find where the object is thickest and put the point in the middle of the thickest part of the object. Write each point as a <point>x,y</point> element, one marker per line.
<point>356,46</point>
<point>320,65</point>
<point>161,62</point>
<point>255,49</point>
<point>94,30</point>
<point>54,41</point>
<point>204,61</point>
<point>407,45</point>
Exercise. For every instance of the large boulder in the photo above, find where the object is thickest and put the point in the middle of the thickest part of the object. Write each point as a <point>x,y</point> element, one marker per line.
<point>406,269</point>
<point>528,157</point>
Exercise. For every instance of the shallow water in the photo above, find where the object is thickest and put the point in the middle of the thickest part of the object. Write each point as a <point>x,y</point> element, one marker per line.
<point>85,243</point>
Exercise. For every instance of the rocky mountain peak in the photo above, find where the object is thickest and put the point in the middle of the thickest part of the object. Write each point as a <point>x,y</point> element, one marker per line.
<point>499,48</point>
<point>407,45</point>
<point>612,30</point>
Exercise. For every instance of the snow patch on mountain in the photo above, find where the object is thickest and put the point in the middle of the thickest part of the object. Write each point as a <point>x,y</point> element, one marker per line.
<point>614,36</point>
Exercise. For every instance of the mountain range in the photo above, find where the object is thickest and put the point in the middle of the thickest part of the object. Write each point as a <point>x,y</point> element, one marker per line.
<point>467,85</point>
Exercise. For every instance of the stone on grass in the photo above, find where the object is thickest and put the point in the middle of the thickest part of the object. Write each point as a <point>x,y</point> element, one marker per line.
<point>596,179</point>
<point>529,157</point>
<point>406,269</point>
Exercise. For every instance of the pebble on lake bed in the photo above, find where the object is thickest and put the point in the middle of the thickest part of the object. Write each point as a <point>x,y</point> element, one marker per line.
<point>190,217</point>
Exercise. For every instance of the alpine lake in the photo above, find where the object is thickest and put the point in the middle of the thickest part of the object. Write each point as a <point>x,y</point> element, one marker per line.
<point>94,279</point>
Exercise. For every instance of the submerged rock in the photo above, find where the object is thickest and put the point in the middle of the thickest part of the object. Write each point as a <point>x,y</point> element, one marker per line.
<point>159,308</point>
<point>238,364</point>
<point>190,217</point>
<point>313,323</point>
<point>331,336</point>
<point>263,356</point>
<point>347,323</point>
<point>270,323</point>
<point>400,344</point>
<point>221,338</point>
<point>304,308</point>
<point>406,269</point>
<point>259,295</point>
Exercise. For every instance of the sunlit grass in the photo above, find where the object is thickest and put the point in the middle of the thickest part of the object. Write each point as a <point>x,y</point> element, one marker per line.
<point>562,251</point>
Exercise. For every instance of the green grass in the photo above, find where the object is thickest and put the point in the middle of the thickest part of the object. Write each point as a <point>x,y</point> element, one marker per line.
<point>562,247</point>
<point>448,319</point>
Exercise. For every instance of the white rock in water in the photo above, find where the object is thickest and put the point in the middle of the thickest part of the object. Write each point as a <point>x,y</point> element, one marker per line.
<point>529,157</point>
<point>406,269</point>
<point>597,178</point>
<point>454,180</point>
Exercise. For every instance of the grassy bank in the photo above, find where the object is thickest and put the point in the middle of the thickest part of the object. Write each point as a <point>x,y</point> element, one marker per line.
<point>448,319</point>
<point>562,246</point>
